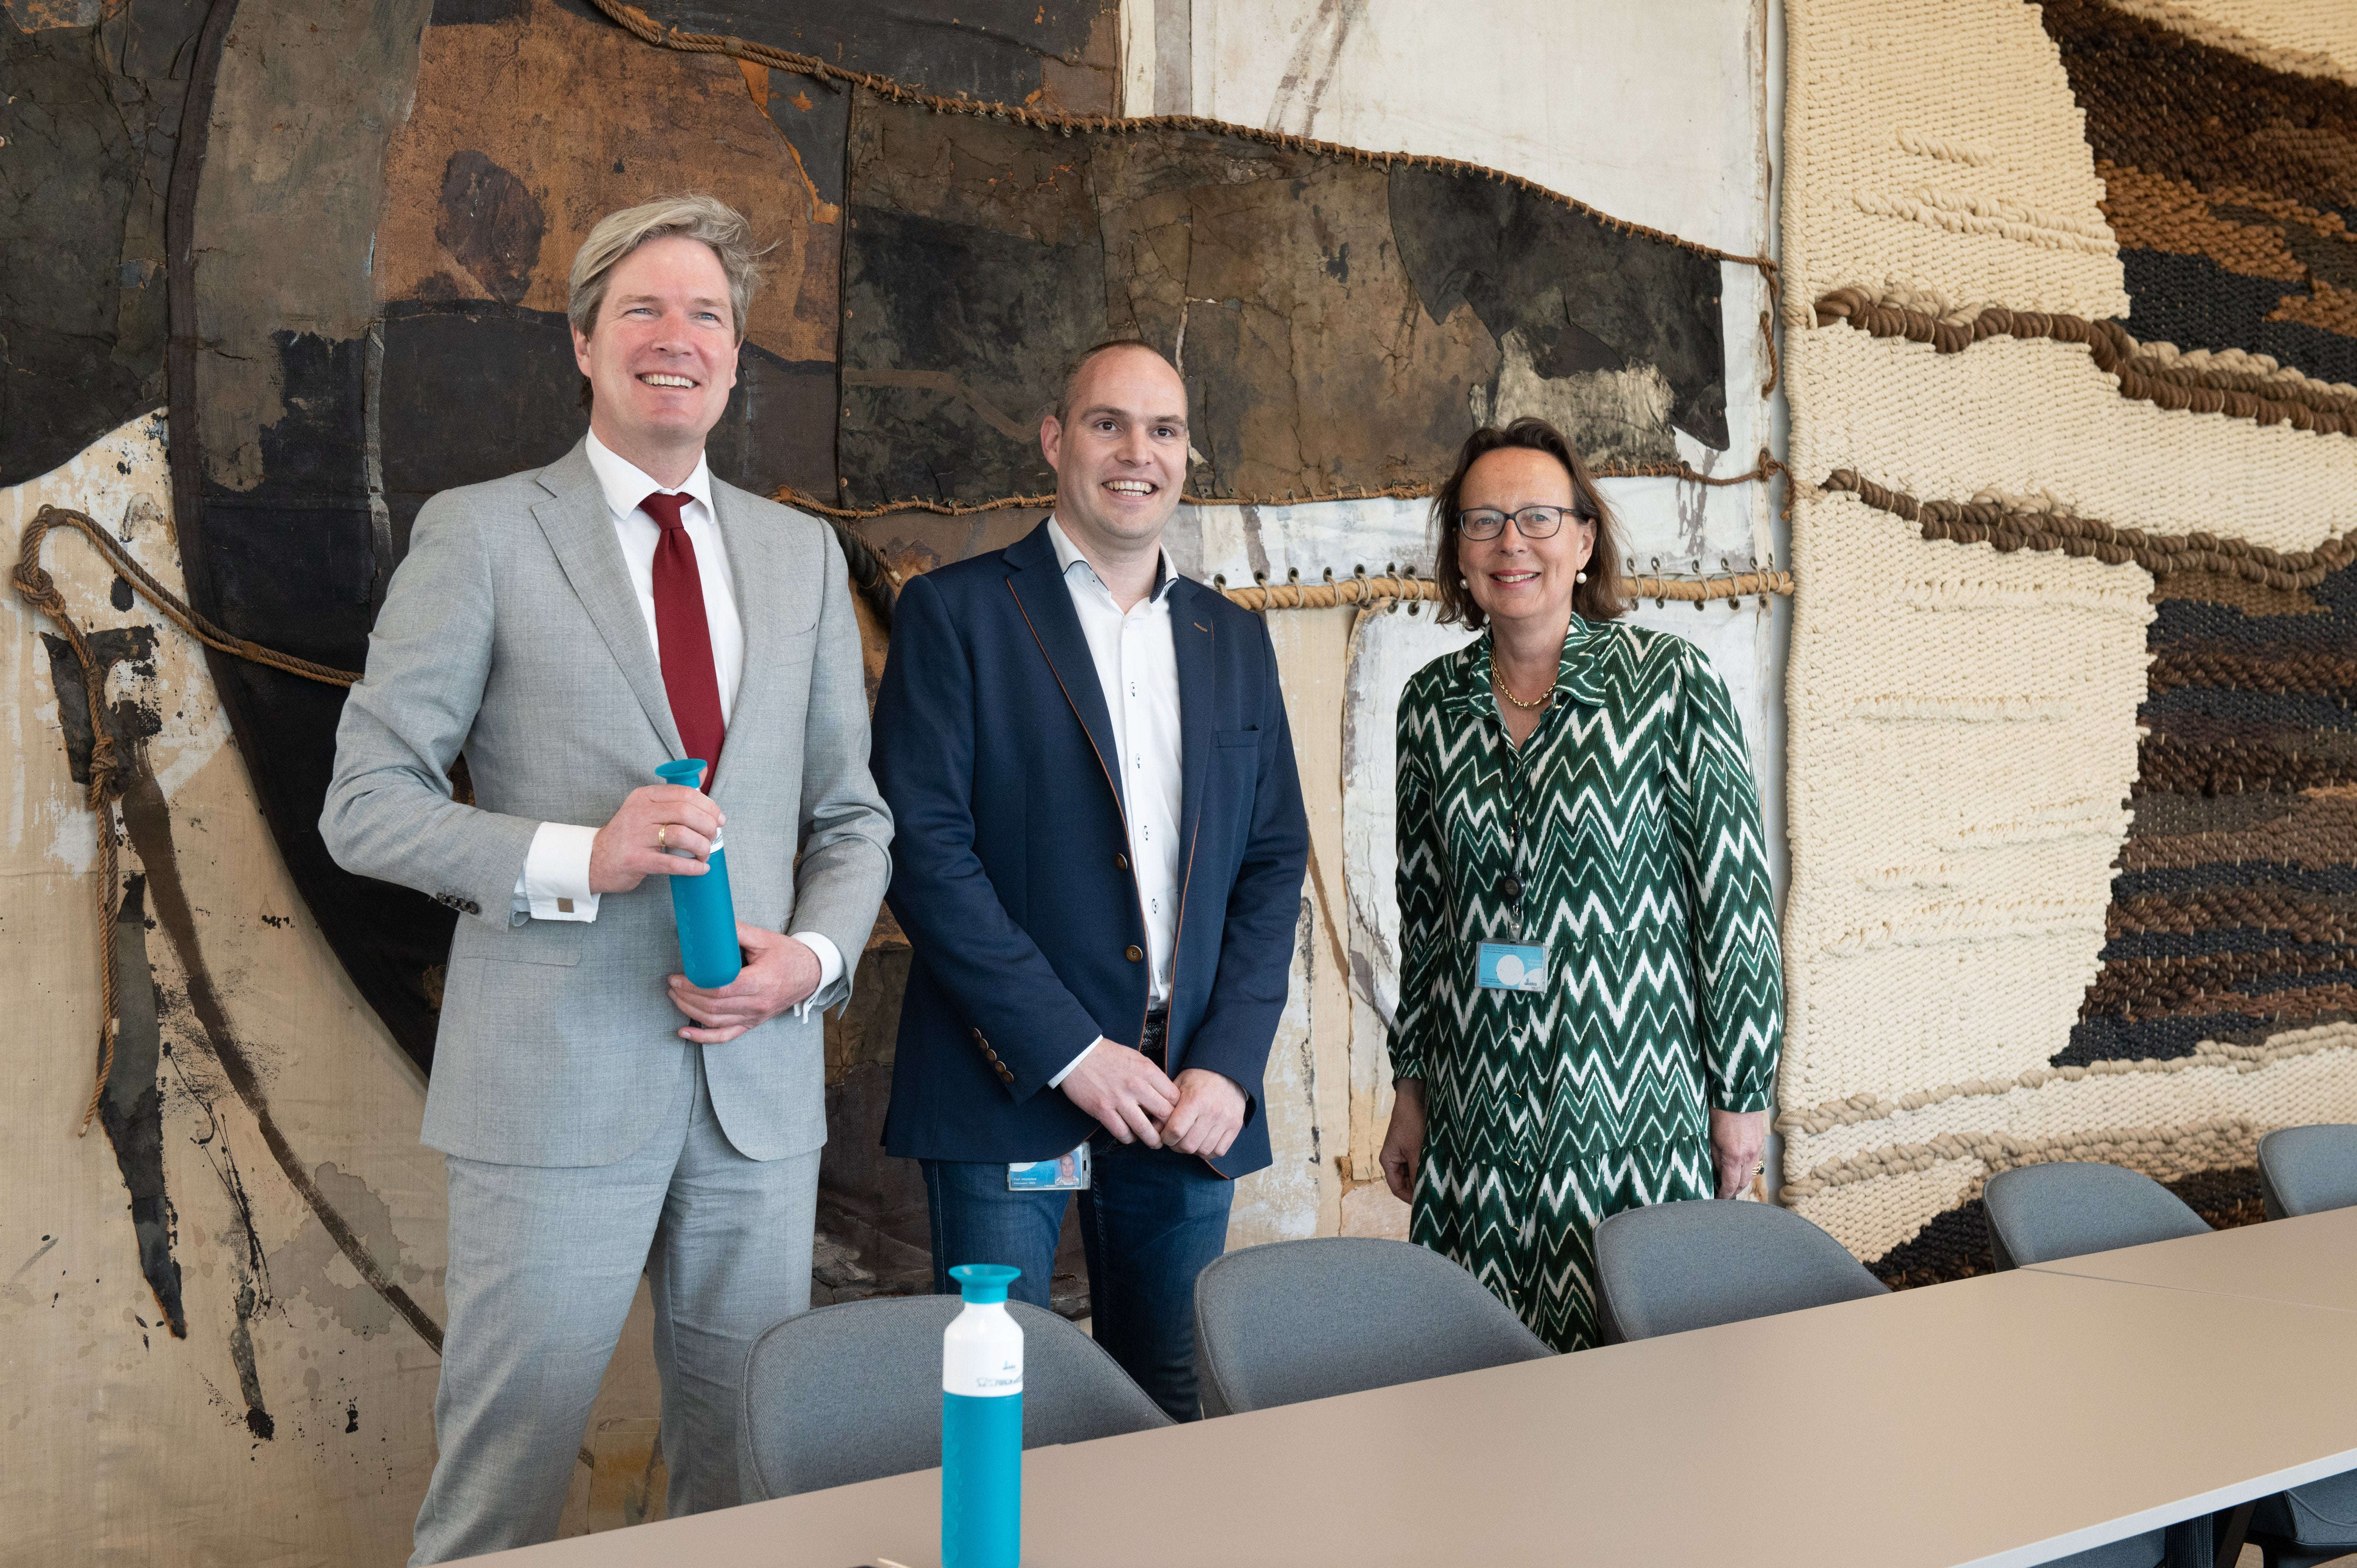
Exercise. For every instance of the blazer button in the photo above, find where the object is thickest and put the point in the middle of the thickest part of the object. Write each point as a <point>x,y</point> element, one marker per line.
<point>1133,954</point>
<point>1120,861</point>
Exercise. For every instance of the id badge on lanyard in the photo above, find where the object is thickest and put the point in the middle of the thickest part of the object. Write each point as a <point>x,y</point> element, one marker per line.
<point>1512,966</point>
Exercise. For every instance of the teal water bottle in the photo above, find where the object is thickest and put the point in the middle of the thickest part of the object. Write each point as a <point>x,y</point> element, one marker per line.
<point>708,954</point>
<point>982,1425</point>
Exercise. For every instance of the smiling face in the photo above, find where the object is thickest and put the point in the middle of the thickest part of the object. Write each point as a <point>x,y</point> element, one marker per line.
<point>1512,578</point>
<point>1121,457</point>
<point>664,355</point>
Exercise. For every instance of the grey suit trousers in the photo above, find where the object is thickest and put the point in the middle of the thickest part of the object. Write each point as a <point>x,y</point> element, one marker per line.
<point>543,1263</point>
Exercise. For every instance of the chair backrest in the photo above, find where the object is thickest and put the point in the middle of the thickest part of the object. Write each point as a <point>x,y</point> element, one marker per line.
<point>1669,1267</point>
<point>853,1391</point>
<point>1337,1314</point>
<point>2307,1170</point>
<point>2037,1214</point>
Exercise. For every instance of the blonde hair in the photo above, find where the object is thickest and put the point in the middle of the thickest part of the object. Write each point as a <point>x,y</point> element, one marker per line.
<point>690,215</point>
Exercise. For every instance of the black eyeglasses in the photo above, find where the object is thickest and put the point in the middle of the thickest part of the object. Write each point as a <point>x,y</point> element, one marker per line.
<point>1533,521</point>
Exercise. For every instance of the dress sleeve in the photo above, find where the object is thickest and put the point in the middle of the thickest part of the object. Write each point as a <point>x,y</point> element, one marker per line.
<point>1714,808</point>
<point>1423,892</point>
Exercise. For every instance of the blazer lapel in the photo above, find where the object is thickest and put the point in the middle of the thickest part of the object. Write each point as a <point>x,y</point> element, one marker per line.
<point>581,531</point>
<point>1191,640</point>
<point>1047,607</point>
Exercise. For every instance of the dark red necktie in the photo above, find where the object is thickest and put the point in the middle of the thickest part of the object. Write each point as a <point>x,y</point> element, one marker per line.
<point>683,637</point>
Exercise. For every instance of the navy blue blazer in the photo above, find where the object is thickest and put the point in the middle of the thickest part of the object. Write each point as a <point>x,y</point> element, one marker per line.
<point>1011,875</point>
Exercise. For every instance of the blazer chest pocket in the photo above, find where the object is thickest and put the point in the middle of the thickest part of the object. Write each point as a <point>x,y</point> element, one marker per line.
<point>1236,738</point>
<point>555,942</point>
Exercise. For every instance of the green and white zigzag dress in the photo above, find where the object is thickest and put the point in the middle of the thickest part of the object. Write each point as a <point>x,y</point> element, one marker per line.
<point>1624,837</point>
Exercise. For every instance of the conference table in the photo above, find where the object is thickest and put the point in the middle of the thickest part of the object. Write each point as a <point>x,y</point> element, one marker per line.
<point>2003,1420</point>
<point>2310,1261</point>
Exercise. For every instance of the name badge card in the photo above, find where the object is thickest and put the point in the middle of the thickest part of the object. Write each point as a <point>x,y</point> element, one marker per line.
<point>1066,1172</point>
<point>1512,966</point>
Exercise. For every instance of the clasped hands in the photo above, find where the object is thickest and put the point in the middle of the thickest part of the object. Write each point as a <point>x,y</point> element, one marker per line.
<point>1201,1113</point>
<point>780,972</point>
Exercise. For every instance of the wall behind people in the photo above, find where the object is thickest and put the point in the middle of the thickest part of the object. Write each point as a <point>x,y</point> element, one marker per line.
<point>221,1302</point>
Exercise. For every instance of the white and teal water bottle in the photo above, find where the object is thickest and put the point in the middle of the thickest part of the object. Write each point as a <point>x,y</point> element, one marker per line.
<point>982,1425</point>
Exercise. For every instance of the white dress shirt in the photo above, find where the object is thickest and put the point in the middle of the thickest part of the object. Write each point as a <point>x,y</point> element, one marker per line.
<point>556,881</point>
<point>1137,667</point>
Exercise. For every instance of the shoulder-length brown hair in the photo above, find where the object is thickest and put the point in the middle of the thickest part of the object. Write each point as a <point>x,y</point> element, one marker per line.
<point>1601,597</point>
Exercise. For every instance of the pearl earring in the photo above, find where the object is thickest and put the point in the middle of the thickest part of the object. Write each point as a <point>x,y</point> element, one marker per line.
<point>1580,576</point>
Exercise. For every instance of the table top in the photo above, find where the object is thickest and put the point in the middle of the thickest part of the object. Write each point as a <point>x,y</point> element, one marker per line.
<point>1995,1422</point>
<point>2310,1259</point>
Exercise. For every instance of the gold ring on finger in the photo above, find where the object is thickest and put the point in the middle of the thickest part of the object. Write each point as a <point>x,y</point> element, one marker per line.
<point>661,829</point>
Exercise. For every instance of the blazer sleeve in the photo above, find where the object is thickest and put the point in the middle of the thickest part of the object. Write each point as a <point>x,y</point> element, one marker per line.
<point>1714,819</point>
<point>1421,884</point>
<point>845,827</point>
<point>989,966</point>
<point>389,814</point>
<point>1264,910</point>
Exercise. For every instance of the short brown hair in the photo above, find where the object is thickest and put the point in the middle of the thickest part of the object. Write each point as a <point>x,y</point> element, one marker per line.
<point>1601,597</point>
<point>1062,407</point>
<point>692,216</point>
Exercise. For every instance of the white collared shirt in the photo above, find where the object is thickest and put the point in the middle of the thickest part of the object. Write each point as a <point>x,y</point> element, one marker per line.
<point>556,881</point>
<point>1137,667</point>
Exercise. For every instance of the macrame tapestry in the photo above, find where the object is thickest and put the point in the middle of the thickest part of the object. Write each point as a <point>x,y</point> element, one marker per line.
<point>2074,773</point>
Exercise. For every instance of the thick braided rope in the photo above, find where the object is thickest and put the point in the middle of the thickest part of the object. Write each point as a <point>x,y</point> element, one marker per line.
<point>1764,467</point>
<point>2267,393</point>
<point>2136,1147</point>
<point>1355,590</point>
<point>34,586</point>
<point>640,24</point>
<point>2009,529</point>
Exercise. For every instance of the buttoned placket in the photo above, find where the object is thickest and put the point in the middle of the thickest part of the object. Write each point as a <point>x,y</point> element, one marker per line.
<point>1154,894</point>
<point>1514,779</point>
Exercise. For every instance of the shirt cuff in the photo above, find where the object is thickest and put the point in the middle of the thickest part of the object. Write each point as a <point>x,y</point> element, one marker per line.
<point>556,881</point>
<point>830,966</point>
<point>1058,1081</point>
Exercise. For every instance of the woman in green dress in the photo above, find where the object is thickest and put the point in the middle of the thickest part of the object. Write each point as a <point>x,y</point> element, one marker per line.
<point>1590,1000</point>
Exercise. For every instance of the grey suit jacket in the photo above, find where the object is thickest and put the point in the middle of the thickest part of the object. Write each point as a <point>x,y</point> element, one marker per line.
<point>511,632</point>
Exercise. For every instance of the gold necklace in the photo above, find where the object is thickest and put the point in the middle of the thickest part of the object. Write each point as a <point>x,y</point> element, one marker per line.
<point>1499,682</point>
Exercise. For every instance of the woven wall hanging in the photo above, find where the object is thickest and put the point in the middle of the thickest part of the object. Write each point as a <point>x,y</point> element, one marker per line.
<point>2073,774</point>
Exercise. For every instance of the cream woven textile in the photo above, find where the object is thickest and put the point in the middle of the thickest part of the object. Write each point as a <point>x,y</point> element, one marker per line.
<point>1967,726</point>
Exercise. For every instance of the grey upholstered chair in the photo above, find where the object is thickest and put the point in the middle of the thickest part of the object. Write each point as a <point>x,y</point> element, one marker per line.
<point>1669,1267</point>
<point>853,1391</point>
<point>2039,1214</point>
<point>1337,1315</point>
<point>2306,1170</point>
<point>2042,1214</point>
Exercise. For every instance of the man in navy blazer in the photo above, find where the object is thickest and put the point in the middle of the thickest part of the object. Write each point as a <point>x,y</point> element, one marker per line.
<point>1098,861</point>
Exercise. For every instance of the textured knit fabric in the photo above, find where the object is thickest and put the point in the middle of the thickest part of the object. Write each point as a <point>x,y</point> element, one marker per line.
<point>1623,836</point>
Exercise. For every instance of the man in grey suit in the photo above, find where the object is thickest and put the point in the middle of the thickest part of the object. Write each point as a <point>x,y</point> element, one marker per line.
<point>569,630</point>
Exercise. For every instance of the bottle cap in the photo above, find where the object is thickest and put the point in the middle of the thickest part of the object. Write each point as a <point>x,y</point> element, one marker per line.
<point>982,1284</point>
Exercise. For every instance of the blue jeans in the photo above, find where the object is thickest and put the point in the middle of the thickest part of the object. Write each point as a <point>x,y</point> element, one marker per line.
<point>1149,1223</point>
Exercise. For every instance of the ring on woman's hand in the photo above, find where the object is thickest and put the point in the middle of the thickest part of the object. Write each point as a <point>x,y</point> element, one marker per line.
<point>1760,1169</point>
<point>661,828</point>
